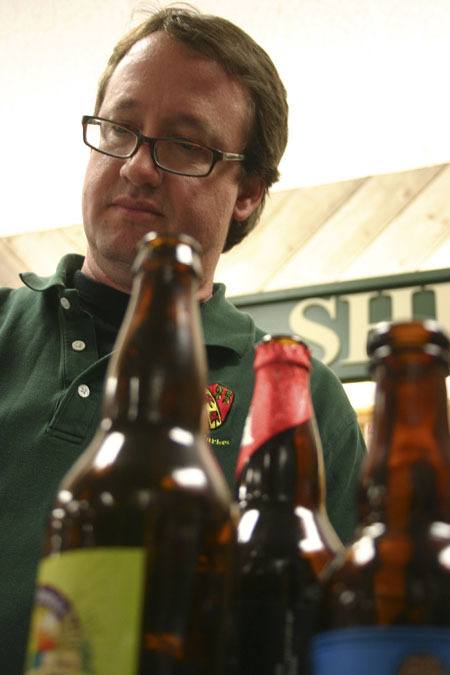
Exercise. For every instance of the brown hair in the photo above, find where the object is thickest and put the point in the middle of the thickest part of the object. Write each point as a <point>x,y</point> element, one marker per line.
<point>243,58</point>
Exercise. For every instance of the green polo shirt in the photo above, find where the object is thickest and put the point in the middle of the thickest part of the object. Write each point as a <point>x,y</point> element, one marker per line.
<point>51,384</point>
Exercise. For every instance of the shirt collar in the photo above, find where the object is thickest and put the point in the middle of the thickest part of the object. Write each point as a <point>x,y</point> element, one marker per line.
<point>223,325</point>
<point>62,277</point>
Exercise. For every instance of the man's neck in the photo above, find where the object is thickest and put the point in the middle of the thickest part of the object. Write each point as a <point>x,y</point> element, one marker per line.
<point>122,280</point>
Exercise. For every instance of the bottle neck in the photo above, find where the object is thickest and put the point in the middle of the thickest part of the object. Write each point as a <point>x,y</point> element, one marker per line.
<point>157,373</point>
<point>285,470</point>
<point>281,457</point>
<point>406,477</point>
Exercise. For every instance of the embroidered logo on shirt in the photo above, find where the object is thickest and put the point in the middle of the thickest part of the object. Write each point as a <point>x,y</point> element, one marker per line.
<point>219,400</point>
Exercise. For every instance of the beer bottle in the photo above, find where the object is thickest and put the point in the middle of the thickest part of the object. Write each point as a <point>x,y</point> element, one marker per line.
<point>137,554</point>
<point>387,602</point>
<point>284,536</point>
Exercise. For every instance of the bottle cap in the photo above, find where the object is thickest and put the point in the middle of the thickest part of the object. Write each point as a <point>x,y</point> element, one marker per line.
<point>283,348</point>
<point>389,337</point>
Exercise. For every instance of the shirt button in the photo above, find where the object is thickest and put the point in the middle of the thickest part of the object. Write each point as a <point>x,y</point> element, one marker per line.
<point>83,391</point>
<point>65,303</point>
<point>78,345</point>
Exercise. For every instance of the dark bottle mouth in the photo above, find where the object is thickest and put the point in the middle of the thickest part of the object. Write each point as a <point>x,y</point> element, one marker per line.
<point>156,249</point>
<point>394,337</point>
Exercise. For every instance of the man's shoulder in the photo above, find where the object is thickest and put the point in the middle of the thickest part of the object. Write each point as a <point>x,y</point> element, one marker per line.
<point>21,298</point>
<point>322,376</point>
<point>14,297</point>
<point>225,325</point>
<point>329,397</point>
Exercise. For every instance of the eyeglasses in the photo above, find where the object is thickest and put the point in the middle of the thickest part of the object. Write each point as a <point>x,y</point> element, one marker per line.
<point>174,155</point>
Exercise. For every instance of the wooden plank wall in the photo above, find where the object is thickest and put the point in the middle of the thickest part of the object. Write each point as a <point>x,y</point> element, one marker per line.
<point>353,229</point>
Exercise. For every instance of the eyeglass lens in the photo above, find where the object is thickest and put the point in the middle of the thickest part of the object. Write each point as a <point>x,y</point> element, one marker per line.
<point>174,155</point>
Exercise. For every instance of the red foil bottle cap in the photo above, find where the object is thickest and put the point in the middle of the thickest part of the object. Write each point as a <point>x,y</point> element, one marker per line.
<point>281,398</point>
<point>283,349</point>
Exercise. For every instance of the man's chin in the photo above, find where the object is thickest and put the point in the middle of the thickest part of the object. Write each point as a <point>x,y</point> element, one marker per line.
<point>120,253</point>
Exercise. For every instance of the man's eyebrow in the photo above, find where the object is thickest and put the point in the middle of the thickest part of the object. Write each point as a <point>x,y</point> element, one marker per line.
<point>184,122</point>
<point>123,104</point>
<point>191,122</point>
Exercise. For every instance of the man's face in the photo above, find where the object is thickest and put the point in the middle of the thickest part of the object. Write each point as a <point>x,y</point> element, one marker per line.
<point>163,88</point>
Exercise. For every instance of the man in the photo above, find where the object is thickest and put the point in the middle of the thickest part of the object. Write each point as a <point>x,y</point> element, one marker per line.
<point>188,130</point>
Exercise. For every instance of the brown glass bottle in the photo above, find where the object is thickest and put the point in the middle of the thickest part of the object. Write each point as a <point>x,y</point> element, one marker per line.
<point>387,602</point>
<point>135,578</point>
<point>284,536</point>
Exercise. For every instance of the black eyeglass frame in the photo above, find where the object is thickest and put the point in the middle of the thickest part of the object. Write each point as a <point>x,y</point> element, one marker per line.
<point>217,155</point>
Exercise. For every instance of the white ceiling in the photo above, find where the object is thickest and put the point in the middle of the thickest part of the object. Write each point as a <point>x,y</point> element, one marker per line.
<point>367,82</point>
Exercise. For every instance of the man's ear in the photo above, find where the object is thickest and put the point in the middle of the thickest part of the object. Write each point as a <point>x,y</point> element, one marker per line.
<point>250,195</point>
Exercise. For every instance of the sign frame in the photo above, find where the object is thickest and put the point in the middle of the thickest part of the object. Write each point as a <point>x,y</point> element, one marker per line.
<point>334,319</point>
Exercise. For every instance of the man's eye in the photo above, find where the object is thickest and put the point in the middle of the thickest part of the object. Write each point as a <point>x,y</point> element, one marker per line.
<point>188,147</point>
<point>119,131</point>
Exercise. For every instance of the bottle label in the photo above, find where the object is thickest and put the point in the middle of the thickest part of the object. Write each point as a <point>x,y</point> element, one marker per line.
<point>397,650</point>
<point>73,604</point>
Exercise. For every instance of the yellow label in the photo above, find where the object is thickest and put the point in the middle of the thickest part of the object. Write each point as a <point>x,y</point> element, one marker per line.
<point>87,613</point>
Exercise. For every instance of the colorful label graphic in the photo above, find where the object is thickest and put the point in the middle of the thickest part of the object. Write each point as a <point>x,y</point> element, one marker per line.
<point>86,617</point>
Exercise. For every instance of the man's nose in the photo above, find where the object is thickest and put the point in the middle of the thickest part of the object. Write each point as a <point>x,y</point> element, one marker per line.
<point>140,169</point>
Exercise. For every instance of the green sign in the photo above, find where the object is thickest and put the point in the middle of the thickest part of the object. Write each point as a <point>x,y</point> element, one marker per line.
<point>335,319</point>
